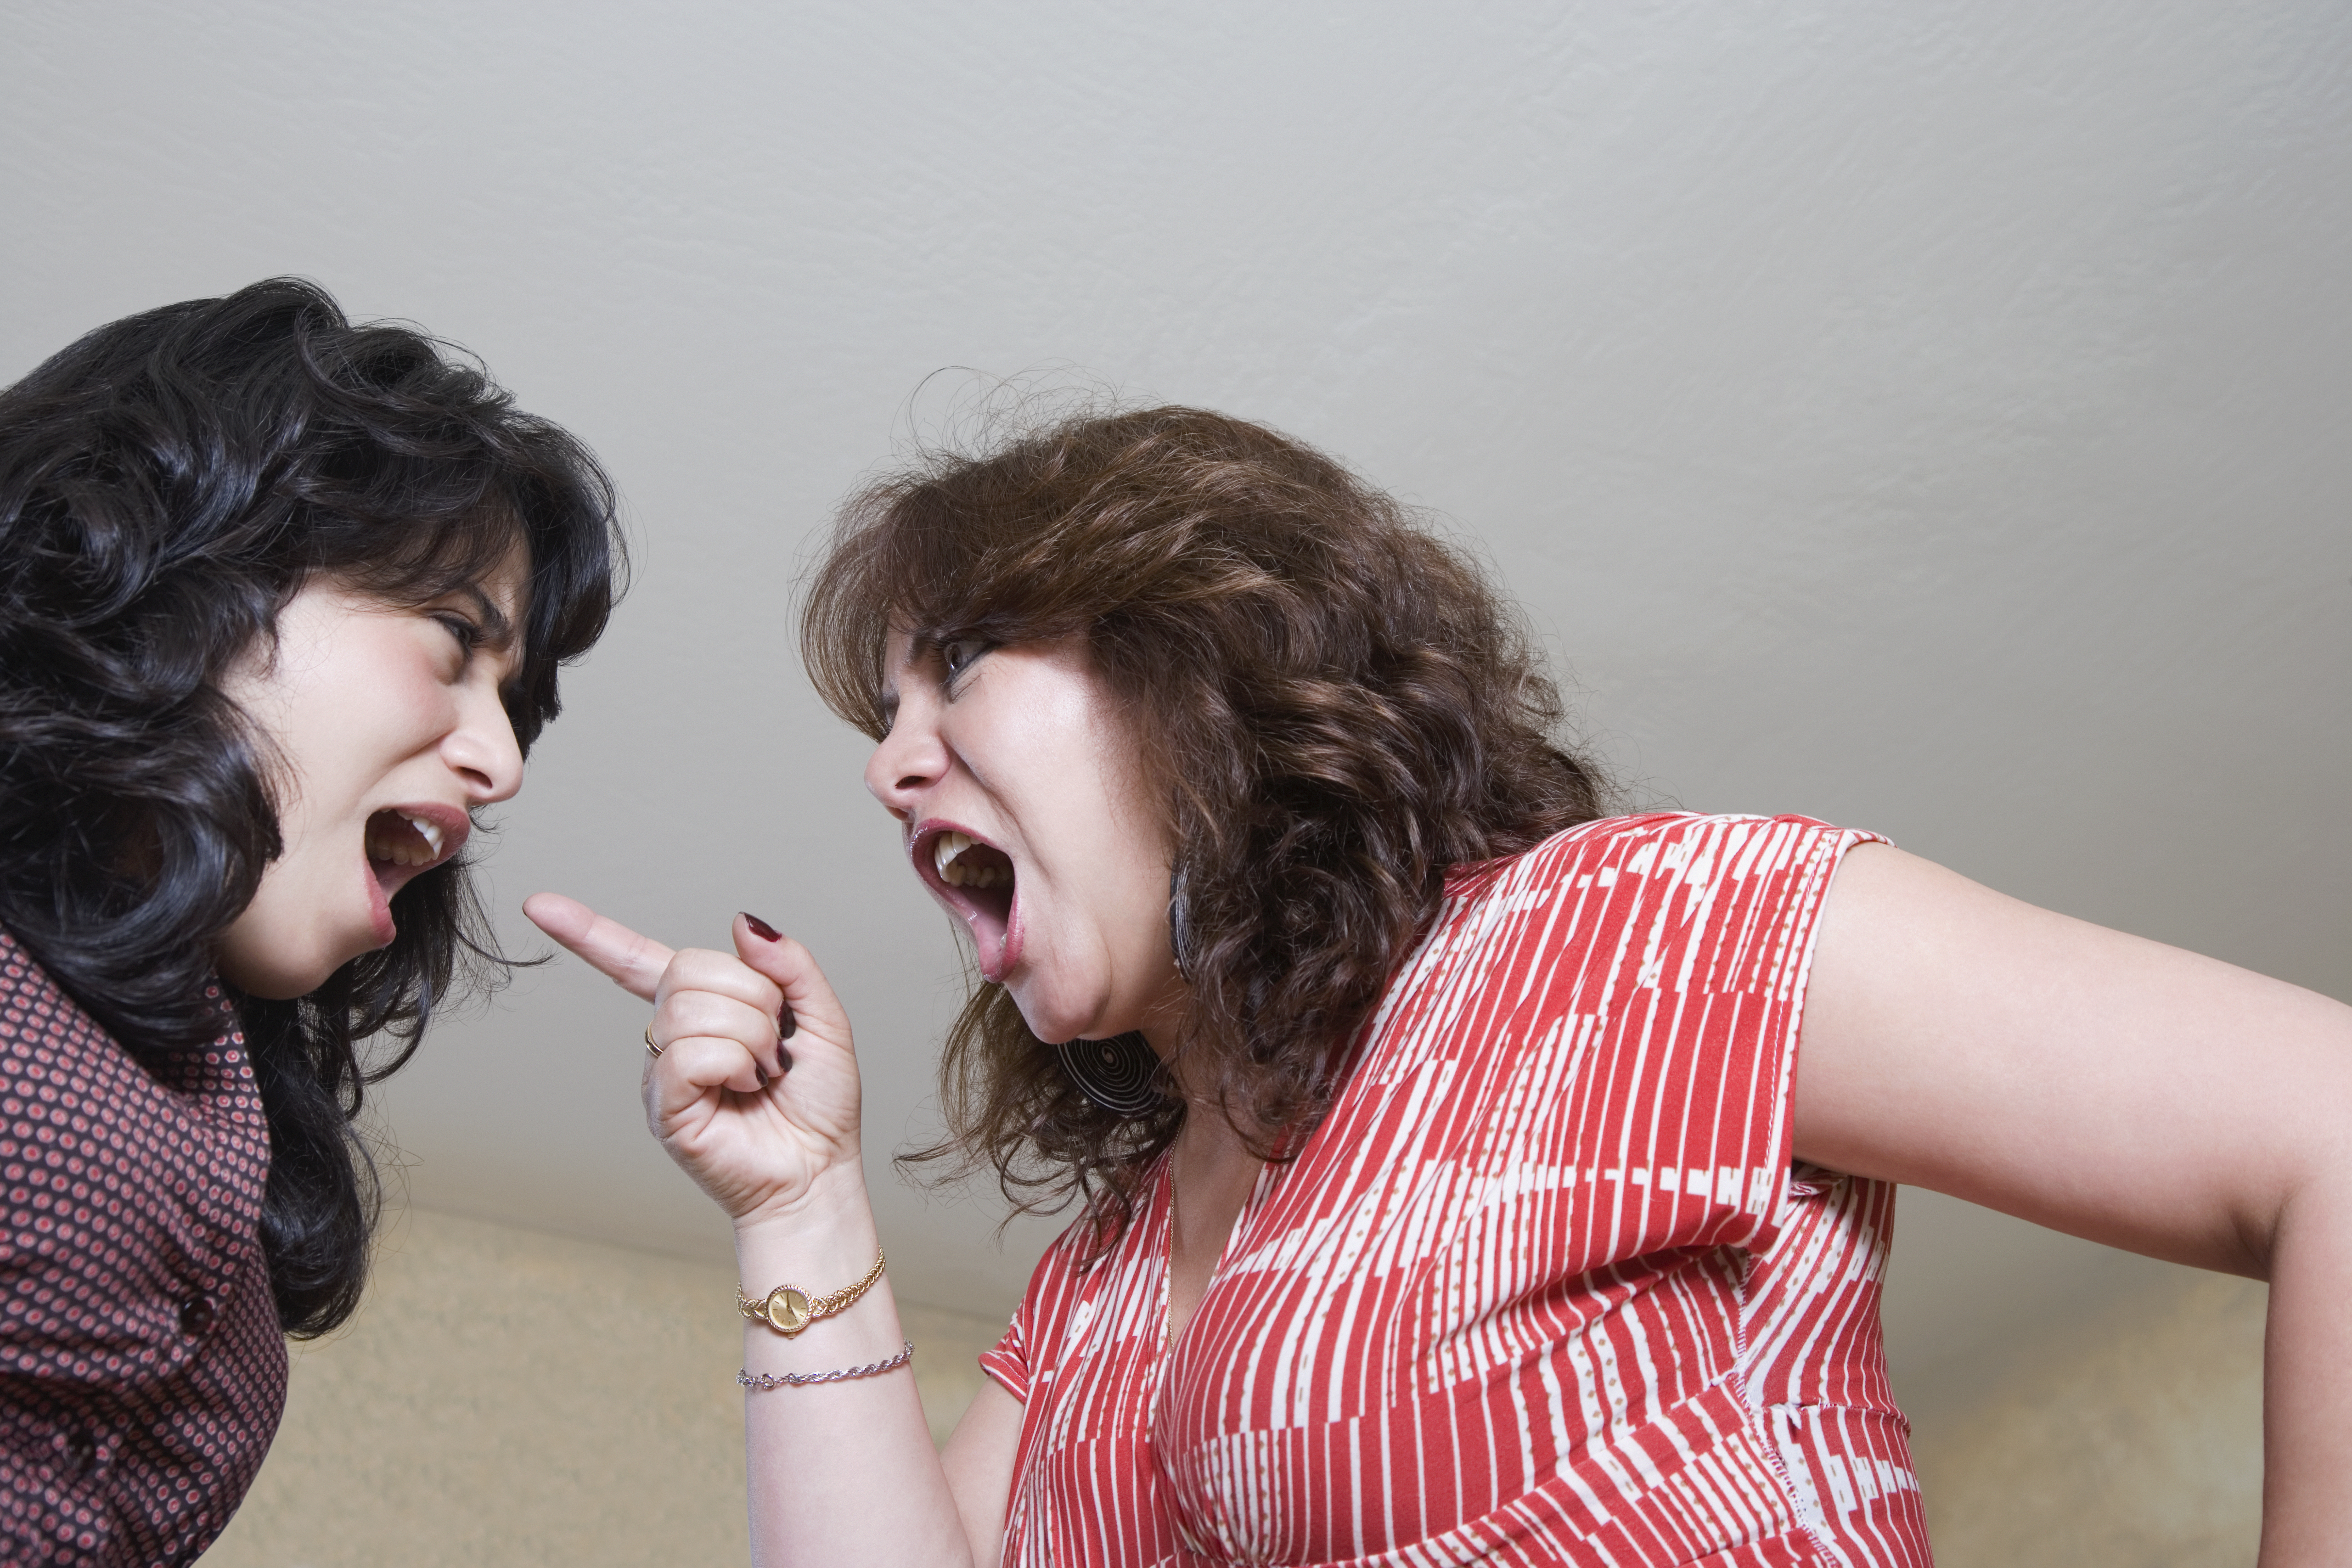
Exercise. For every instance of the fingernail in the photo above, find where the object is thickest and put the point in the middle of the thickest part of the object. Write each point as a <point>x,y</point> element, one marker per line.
<point>787,1025</point>
<point>760,1073</point>
<point>783,1060</point>
<point>761,928</point>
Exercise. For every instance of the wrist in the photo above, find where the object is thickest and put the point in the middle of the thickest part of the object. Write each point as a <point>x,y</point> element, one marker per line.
<point>826,1228</point>
<point>822,1245</point>
<point>789,1309</point>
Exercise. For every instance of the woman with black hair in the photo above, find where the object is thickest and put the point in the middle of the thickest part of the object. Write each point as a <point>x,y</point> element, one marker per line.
<point>282,601</point>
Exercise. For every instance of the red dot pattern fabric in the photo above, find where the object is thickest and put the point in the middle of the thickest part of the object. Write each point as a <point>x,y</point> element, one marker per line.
<point>1544,1288</point>
<point>141,1369</point>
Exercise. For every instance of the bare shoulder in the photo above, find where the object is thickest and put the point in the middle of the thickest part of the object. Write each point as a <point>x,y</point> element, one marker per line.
<point>2152,1098</point>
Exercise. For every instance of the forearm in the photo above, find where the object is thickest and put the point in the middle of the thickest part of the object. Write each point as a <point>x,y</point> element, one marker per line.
<point>2308,1382</point>
<point>838,1472</point>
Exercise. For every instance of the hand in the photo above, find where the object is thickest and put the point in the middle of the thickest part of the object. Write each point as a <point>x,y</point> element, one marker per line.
<point>761,1124</point>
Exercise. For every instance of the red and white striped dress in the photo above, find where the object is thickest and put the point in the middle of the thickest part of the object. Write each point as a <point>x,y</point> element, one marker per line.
<point>1544,1287</point>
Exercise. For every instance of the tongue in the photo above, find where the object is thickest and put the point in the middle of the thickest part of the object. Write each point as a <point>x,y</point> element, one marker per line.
<point>991,924</point>
<point>988,937</point>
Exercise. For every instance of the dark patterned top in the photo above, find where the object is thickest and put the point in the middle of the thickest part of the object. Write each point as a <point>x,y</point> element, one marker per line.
<point>141,1369</point>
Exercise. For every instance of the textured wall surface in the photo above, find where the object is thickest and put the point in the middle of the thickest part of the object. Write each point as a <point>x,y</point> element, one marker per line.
<point>1925,416</point>
<point>511,1398</point>
<point>2127,1439</point>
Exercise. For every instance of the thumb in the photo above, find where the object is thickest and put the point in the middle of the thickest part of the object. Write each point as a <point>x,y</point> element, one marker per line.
<point>632,962</point>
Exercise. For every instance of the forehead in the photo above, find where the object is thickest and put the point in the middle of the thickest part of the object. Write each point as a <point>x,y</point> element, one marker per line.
<point>507,585</point>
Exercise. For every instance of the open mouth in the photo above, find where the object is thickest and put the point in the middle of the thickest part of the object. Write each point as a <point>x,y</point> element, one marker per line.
<point>975,880</point>
<point>399,838</point>
<point>403,843</point>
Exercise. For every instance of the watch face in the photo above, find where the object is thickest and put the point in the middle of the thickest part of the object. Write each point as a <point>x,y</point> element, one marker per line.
<point>787,1308</point>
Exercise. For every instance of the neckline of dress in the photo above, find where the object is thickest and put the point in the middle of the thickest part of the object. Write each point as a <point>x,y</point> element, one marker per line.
<point>1170,1343</point>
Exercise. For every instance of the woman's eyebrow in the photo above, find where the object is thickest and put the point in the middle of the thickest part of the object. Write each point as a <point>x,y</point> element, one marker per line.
<point>497,628</point>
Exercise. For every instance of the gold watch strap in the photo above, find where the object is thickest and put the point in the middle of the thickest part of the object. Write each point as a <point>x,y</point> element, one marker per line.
<point>788,1309</point>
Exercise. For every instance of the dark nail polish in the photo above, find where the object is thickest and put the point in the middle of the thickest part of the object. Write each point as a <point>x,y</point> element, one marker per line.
<point>760,1073</point>
<point>761,928</point>
<point>783,1060</point>
<point>787,1025</point>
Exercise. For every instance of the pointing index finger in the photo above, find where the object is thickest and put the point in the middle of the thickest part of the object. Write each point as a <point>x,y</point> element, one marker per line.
<point>632,962</point>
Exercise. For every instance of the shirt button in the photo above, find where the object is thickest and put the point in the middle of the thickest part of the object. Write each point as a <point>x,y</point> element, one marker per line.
<point>195,1314</point>
<point>81,1450</point>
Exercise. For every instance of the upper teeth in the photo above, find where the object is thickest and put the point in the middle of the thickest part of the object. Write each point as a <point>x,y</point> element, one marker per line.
<point>944,851</point>
<point>401,850</point>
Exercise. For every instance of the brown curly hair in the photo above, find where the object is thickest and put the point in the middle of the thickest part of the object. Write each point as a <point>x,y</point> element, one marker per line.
<point>1338,707</point>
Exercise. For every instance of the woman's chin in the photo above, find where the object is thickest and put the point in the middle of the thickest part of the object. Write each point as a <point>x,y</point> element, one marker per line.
<point>275,975</point>
<point>1048,1021</point>
<point>1055,1024</point>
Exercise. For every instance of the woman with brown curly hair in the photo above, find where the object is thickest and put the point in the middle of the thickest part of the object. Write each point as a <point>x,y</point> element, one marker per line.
<point>1451,1192</point>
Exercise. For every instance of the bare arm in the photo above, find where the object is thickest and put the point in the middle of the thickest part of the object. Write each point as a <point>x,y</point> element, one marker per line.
<point>841,1471</point>
<point>2113,1088</point>
<point>979,1460</point>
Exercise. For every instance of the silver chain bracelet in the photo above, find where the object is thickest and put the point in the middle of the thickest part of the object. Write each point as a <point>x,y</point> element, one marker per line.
<point>802,1379</point>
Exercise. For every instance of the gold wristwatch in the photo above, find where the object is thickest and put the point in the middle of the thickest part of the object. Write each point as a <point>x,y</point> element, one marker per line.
<point>788,1309</point>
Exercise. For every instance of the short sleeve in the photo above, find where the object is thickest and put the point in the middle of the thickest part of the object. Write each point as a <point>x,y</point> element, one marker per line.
<point>1716,918</point>
<point>1795,859</point>
<point>1621,1007</point>
<point>1008,1365</point>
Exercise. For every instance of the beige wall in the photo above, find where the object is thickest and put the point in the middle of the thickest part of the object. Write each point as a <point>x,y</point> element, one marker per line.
<point>2128,1438</point>
<point>512,1397</point>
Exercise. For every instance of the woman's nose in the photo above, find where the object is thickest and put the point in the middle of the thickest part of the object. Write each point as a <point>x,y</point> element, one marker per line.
<point>482,750</point>
<point>907,762</point>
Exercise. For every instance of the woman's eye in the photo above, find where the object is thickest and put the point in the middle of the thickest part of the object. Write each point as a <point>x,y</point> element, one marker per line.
<point>462,631</point>
<point>959,655</point>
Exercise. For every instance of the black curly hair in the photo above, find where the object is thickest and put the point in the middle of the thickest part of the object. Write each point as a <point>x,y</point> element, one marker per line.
<point>167,484</point>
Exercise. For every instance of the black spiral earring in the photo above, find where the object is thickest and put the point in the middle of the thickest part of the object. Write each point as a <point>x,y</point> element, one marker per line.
<point>1117,1074</point>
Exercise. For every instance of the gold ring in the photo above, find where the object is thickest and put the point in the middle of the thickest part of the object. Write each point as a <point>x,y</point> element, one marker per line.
<point>652,1048</point>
